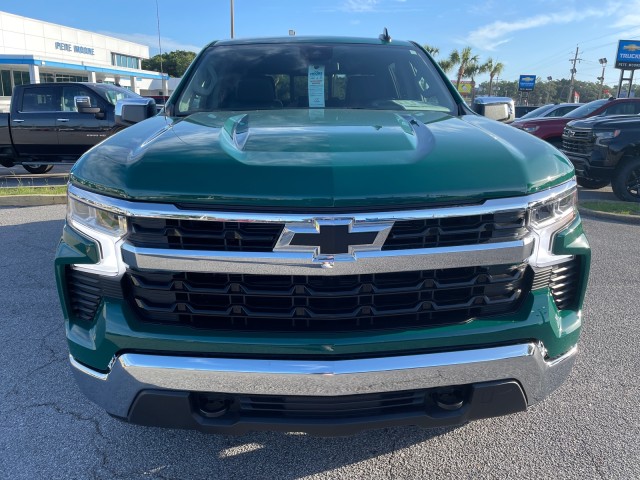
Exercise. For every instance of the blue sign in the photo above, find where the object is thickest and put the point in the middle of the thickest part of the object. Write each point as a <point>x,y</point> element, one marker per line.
<point>526,83</point>
<point>628,55</point>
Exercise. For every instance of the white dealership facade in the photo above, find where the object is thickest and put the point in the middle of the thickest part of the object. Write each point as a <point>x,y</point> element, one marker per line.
<point>33,51</point>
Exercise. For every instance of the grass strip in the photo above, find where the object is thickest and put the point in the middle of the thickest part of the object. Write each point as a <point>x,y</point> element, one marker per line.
<point>621,208</point>
<point>24,190</point>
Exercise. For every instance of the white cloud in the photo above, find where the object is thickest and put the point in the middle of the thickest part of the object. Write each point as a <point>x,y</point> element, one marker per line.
<point>359,6</point>
<point>629,20</point>
<point>497,33</point>
<point>168,44</point>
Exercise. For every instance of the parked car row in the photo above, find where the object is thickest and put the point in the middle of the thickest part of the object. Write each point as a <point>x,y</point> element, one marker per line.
<point>601,139</point>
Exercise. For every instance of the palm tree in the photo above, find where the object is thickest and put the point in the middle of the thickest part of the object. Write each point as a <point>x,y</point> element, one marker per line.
<point>474,68</point>
<point>462,60</point>
<point>446,65</point>
<point>433,51</point>
<point>494,69</point>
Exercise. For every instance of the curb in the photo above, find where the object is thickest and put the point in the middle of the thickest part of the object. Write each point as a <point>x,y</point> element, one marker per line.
<point>32,200</point>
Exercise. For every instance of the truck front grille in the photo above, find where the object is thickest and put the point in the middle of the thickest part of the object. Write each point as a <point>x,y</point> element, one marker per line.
<point>178,234</point>
<point>455,231</point>
<point>577,141</point>
<point>217,301</point>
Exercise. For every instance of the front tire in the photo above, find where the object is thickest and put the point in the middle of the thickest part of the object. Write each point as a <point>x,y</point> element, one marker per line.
<point>37,168</point>
<point>591,183</point>
<point>626,182</point>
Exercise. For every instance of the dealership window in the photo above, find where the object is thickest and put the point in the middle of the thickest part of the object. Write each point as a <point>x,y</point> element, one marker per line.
<point>20,78</point>
<point>5,83</point>
<point>61,77</point>
<point>11,78</point>
<point>125,61</point>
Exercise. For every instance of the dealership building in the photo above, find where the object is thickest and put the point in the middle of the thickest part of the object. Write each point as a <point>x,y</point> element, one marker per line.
<point>33,51</point>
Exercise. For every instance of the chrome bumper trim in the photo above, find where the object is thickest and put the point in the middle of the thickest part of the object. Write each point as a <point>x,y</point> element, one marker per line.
<point>170,211</point>
<point>131,373</point>
<point>303,263</point>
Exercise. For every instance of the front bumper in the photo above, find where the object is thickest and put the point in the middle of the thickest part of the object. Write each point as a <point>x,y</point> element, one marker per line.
<point>139,383</point>
<point>590,166</point>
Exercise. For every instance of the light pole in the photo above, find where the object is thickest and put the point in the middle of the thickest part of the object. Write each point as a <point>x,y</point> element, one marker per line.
<point>603,62</point>
<point>231,18</point>
<point>548,88</point>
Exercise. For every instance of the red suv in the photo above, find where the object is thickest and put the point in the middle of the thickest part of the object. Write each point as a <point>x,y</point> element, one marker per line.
<point>550,129</point>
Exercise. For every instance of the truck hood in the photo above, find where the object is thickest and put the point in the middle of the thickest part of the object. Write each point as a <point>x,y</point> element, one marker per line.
<point>320,158</point>
<point>540,122</point>
<point>610,121</point>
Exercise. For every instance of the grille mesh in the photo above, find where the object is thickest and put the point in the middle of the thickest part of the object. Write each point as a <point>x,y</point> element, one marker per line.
<point>577,141</point>
<point>447,232</point>
<point>262,237</point>
<point>326,304</point>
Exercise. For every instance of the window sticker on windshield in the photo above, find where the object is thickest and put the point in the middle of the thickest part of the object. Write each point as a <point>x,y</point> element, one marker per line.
<point>316,86</point>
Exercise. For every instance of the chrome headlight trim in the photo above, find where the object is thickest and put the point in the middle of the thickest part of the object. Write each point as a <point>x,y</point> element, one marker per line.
<point>106,227</point>
<point>545,219</point>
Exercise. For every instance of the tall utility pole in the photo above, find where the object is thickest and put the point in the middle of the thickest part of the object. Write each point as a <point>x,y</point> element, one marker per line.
<point>231,18</point>
<point>573,75</point>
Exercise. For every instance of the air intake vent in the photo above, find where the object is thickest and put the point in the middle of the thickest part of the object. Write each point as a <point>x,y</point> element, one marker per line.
<point>564,282</point>
<point>86,291</point>
<point>85,294</point>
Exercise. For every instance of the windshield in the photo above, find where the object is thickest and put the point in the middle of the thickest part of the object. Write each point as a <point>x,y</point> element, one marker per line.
<point>305,75</point>
<point>586,109</point>
<point>113,93</point>
<point>538,112</point>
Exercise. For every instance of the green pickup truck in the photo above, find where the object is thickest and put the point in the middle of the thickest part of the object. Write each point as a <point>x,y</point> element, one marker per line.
<point>318,235</point>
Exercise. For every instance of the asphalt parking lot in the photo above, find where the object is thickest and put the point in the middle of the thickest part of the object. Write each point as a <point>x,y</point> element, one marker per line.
<point>587,429</point>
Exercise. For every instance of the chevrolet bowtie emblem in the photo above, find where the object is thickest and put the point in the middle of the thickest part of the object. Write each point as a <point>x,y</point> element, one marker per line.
<point>333,239</point>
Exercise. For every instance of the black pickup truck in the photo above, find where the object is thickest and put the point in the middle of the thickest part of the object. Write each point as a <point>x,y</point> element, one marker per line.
<point>54,123</point>
<point>605,150</point>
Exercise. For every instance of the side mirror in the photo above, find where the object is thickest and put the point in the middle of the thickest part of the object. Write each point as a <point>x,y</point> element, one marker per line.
<point>501,109</point>
<point>83,105</point>
<point>134,110</point>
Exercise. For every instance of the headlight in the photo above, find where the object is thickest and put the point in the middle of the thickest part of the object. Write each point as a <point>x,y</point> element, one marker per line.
<point>105,227</point>
<point>603,137</point>
<point>530,129</point>
<point>546,218</point>
<point>95,218</point>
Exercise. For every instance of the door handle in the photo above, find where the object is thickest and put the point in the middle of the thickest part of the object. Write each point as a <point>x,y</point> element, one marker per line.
<point>18,120</point>
<point>63,119</point>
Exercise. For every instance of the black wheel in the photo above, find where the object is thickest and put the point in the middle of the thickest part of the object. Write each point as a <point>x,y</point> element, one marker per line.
<point>591,183</point>
<point>626,182</point>
<point>37,168</point>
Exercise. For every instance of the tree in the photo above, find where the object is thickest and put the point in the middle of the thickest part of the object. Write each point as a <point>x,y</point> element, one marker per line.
<point>433,51</point>
<point>173,63</point>
<point>445,64</point>
<point>474,68</point>
<point>462,60</point>
<point>494,69</point>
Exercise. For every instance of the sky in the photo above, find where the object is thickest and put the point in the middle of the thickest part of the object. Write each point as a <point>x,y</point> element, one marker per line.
<point>537,37</point>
